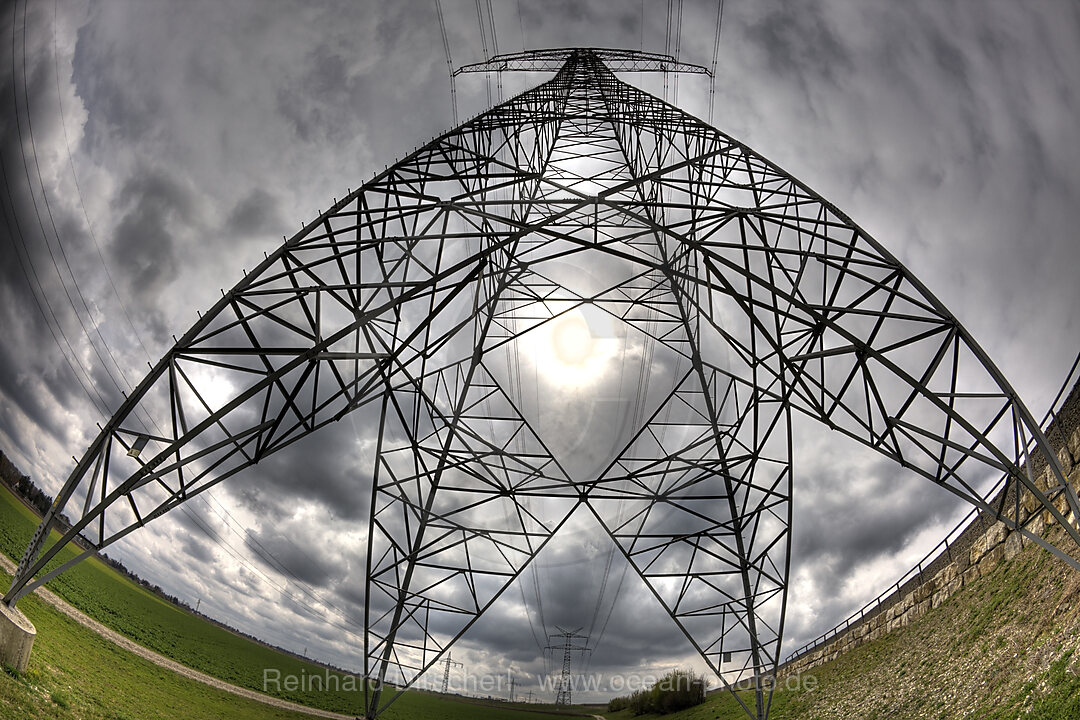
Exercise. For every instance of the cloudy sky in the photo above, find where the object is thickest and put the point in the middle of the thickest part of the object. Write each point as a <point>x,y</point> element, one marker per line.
<point>153,150</point>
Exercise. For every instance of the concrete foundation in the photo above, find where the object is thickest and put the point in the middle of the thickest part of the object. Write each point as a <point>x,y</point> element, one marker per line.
<point>17,635</point>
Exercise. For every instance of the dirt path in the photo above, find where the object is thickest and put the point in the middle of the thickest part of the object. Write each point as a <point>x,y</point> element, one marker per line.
<point>162,661</point>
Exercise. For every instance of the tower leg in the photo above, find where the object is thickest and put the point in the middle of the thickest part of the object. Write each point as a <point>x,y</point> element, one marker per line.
<point>17,635</point>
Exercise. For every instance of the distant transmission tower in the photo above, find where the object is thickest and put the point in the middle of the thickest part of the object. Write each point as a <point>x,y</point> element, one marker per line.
<point>564,694</point>
<point>446,672</point>
<point>583,298</point>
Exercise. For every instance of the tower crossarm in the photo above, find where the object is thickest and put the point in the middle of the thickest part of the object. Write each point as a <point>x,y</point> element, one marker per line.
<point>552,59</point>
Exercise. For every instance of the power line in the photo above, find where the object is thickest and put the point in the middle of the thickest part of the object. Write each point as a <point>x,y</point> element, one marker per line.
<point>641,28</point>
<point>610,612</point>
<point>284,590</point>
<point>484,46</point>
<point>449,60</point>
<point>521,26</point>
<point>539,597</point>
<point>67,358</point>
<point>52,257</point>
<point>52,221</point>
<point>79,194</point>
<point>678,51</point>
<point>91,388</point>
<point>29,260</point>
<point>667,45</point>
<point>603,586</point>
<point>41,225</point>
<point>673,44</point>
<point>495,49</point>
<point>715,56</point>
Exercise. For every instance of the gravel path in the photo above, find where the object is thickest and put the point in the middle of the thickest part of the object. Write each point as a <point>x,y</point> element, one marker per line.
<point>162,661</point>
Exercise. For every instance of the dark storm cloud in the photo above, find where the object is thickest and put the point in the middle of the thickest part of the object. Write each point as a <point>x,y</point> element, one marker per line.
<point>107,381</point>
<point>151,203</point>
<point>566,23</point>
<point>197,549</point>
<point>258,214</point>
<point>626,625</point>
<point>106,80</point>
<point>244,584</point>
<point>26,393</point>
<point>862,513</point>
<point>800,46</point>
<point>625,16</point>
<point>198,522</point>
<point>32,379</point>
<point>297,556</point>
<point>124,115</point>
<point>352,592</point>
<point>321,468</point>
<point>29,340</point>
<point>326,75</point>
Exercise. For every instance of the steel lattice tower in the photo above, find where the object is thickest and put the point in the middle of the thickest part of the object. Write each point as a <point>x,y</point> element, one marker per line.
<point>700,295</point>
<point>446,671</point>
<point>565,693</point>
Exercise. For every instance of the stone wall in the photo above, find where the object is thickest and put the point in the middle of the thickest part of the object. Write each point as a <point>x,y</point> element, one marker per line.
<point>978,550</point>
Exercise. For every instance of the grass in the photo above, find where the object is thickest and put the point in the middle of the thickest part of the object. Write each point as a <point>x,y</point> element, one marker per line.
<point>74,673</point>
<point>1006,646</point>
<point>1063,697</point>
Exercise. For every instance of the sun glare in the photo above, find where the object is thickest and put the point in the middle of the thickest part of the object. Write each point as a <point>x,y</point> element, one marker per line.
<point>572,350</point>
<point>571,340</point>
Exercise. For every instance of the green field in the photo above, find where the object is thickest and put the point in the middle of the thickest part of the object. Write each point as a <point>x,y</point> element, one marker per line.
<point>75,673</point>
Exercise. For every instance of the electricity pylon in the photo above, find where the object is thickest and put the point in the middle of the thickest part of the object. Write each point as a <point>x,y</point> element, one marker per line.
<point>446,672</point>
<point>582,297</point>
<point>564,693</point>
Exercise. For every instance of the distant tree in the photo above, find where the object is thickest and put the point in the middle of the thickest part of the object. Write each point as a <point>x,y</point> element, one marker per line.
<point>678,690</point>
<point>23,485</point>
